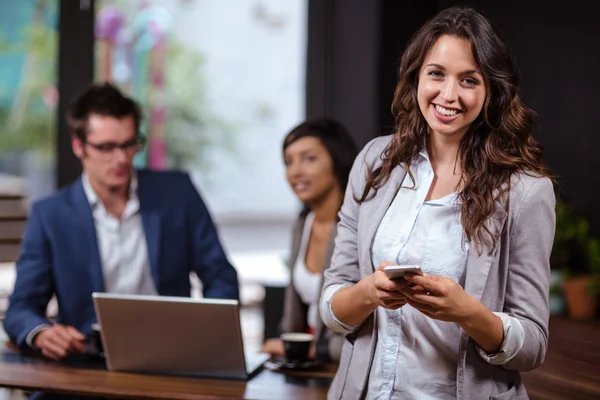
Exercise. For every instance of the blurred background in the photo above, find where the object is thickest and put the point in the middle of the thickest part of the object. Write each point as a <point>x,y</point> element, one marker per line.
<point>222,82</point>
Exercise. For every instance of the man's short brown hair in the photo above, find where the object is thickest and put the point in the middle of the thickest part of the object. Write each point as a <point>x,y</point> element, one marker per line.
<point>103,99</point>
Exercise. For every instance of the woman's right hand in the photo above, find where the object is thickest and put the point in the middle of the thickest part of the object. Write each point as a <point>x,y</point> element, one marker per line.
<point>353,304</point>
<point>383,291</point>
<point>274,347</point>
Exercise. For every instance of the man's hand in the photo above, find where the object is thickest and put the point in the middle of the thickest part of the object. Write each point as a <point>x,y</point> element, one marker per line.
<point>59,341</point>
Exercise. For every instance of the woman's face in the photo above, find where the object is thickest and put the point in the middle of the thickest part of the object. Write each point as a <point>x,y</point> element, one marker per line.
<point>451,89</point>
<point>309,170</point>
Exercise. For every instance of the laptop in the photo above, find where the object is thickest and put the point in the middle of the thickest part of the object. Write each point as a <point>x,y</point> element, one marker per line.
<point>174,336</point>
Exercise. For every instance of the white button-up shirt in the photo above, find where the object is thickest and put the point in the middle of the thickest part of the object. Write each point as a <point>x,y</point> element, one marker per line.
<point>121,245</point>
<point>416,356</point>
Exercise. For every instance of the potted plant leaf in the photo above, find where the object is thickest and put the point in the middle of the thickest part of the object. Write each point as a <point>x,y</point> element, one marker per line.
<point>569,230</point>
<point>576,257</point>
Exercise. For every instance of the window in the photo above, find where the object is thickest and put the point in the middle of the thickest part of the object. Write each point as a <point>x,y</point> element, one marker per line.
<point>221,85</point>
<point>28,97</point>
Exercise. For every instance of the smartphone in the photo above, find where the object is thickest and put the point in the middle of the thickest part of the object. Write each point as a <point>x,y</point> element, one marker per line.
<point>398,271</point>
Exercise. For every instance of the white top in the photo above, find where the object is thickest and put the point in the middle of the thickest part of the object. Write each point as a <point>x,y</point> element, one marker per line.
<point>428,234</point>
<point>416,356</point>
<point>307,283</point>
<point>121,245</point>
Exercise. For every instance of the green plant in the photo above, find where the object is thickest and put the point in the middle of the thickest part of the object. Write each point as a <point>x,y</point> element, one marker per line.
<point>575,251</point>
<point>28,121</point>
<point>571,231</point>
<point>193,131</point>
<point>593,257</point>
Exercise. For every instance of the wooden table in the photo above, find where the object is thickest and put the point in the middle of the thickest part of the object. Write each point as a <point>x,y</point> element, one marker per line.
<point>572,366</point>
<point>90,378</point>
<point>571,371</point>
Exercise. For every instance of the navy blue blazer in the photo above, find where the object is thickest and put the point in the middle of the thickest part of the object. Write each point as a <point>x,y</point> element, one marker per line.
<point>59,253</point>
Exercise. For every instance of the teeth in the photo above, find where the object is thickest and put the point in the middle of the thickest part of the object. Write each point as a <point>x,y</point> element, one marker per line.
<point>300,186</point>
<point>445,111</point>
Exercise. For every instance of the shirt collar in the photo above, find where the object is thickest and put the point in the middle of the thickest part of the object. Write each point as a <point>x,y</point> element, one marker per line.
<point>91,195</point>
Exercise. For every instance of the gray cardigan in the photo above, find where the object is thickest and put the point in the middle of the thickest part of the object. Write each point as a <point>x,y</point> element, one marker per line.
<point>514,278</point>
<point>329,343</point>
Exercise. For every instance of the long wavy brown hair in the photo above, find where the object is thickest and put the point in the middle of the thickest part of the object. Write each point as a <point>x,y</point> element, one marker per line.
<point>498,142</point>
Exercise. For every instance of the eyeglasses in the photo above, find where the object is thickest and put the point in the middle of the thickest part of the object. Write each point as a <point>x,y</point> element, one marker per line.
<point>109,149</point>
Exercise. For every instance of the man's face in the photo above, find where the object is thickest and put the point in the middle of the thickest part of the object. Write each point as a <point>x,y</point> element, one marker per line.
<point>108,150</point>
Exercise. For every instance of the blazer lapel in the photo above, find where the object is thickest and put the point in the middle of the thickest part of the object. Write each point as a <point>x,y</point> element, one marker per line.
<point>296,240</point>
<point>151,220</point>
<point>330,247</point>
<point>478,269</point>
<point>479,262</point>
<point>375,208</point>
<point>320,330</point>
<point>86,241</point>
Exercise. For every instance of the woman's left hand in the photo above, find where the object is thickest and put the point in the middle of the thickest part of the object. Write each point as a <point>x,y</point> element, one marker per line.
<point>440,298</point>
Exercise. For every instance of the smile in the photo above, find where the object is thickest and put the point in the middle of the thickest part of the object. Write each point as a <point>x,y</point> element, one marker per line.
<point>445,115</point>
<point>447,112</point>
<point>300,186</point>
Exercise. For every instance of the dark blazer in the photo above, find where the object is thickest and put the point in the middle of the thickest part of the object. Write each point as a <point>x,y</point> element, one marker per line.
<point>59,253</point>
<point>329,343</point>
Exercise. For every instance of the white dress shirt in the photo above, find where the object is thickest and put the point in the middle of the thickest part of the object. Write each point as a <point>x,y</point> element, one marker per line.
<point>121,245</point>
<point>416,356</point>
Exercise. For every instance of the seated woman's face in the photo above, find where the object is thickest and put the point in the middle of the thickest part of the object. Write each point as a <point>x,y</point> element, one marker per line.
<point>309,170</point>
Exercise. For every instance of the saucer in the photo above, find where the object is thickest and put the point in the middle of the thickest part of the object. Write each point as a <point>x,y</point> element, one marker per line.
<point>282,363</point>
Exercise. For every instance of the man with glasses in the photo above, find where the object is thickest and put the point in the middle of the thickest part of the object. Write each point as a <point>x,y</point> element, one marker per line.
<point>115,230</point>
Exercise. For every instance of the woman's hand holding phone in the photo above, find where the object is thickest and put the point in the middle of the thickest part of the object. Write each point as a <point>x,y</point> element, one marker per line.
<point>353,304</point>
<point>398,271</point>
<point>441,298</point>
<point>385,292</point>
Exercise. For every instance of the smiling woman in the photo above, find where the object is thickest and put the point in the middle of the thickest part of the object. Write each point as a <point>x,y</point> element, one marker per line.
<point>318,155</point>
<point>451,89</point>
<point>461,190</point>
